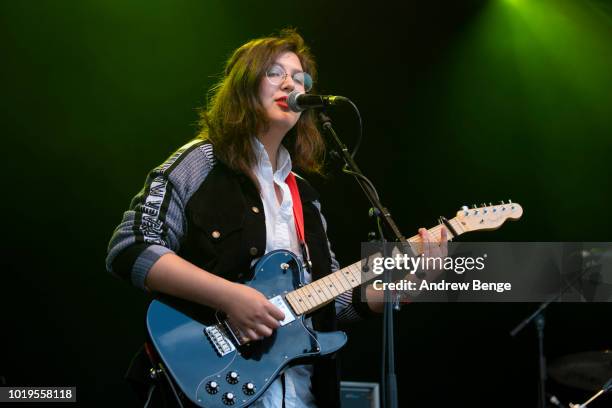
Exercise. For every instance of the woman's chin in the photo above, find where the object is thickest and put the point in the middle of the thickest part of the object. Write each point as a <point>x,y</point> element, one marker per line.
<point>284,123</point>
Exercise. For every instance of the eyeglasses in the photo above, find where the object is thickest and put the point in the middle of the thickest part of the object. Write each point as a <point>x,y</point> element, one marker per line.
<point>276,75</point>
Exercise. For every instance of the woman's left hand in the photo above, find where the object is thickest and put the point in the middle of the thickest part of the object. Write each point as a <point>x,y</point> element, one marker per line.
<point>433,248</point>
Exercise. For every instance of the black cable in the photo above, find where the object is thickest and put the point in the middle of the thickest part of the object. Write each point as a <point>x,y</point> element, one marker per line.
<point>360,134</point>
<point>149,395</point>
<point>178,399</point>
<point>364,178</point>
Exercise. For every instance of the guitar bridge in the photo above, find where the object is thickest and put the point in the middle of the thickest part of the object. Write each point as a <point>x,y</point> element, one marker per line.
<point>222,344</point>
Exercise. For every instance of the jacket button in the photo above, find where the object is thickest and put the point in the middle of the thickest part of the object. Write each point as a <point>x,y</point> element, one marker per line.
<point>215,234</point>
<point>255,209</point>
<point>253,251</point>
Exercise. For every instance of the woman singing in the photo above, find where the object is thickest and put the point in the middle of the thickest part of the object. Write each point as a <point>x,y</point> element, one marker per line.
<point>222,201</point>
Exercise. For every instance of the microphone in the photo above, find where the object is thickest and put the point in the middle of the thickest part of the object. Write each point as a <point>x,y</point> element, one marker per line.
<point>300,101</point>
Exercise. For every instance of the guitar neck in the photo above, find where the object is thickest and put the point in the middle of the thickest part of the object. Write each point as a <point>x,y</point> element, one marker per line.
<point>322,291</point>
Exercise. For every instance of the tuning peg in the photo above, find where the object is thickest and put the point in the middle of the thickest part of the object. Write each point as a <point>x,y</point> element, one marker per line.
<point>464,207</point>
<point>474,206</point>
<point>509,201</point>
<point>490,204</point>
<point>502,202</point>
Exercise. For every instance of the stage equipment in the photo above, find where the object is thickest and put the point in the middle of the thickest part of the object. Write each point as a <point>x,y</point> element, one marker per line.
<point>586,371</point>
<point>300,101</point>
<point>606,387</point>
<point>538,318</point>
<point>359,395</point>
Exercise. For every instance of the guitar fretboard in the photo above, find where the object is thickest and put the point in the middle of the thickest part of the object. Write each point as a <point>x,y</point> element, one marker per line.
<point>322,291</point>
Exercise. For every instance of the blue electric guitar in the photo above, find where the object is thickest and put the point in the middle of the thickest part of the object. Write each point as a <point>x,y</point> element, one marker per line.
<point>212,365</point>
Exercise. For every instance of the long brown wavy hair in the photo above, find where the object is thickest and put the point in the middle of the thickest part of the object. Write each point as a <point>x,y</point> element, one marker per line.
<point>234,112</point>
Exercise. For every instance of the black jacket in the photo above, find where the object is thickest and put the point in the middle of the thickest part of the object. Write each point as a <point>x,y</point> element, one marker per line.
<point>224,232</point>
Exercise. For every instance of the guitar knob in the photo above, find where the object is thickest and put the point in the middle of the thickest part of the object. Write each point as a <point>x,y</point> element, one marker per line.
<point>232,377</point>
<point>249,388</point>
<point>228,398</point>
<point>212,387</point>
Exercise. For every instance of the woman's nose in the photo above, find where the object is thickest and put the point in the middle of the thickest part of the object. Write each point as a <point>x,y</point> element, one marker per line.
<point>288,84</point>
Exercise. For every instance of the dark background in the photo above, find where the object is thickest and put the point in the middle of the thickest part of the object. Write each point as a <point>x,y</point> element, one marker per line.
<point>463,102</point>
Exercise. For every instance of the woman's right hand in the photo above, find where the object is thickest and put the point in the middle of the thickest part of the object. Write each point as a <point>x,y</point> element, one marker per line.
<point>250,312</point>
<point>247,309</point>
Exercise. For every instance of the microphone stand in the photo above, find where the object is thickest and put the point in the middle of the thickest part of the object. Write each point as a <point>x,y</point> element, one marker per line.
<point>538,318</point>
<point>389,378</point>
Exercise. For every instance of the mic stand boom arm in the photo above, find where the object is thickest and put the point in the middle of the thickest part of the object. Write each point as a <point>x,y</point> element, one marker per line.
<point>352,168</point>
<point>388,371</point>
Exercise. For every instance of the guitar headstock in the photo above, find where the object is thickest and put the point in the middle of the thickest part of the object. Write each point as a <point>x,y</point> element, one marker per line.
<point>486,218</point>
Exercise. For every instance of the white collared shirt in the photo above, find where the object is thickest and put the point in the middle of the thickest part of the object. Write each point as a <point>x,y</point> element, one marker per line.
<point>280,224</point>
<point>281,234</point>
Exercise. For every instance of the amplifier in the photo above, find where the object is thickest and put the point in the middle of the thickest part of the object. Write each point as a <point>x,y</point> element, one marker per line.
<point>359,395</point>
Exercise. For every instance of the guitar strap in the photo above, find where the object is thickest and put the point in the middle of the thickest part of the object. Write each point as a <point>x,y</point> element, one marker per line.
<point>298,216</point>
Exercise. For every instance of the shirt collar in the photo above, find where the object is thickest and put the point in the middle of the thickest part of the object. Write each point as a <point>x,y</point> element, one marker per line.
<point>283,159</point>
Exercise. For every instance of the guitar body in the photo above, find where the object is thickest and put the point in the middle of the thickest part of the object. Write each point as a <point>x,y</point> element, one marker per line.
<point>211,368</point>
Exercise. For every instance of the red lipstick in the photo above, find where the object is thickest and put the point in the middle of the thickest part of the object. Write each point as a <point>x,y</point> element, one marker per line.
<point>282,102</point>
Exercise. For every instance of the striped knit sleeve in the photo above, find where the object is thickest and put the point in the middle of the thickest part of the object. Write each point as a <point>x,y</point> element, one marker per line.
<point>349,306</point>
<point>155,221</point>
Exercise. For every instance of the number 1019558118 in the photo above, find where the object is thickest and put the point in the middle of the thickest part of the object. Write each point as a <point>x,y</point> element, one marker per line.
<point>37,394</point>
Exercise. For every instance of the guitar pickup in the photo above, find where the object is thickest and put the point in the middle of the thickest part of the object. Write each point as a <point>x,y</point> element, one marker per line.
<point>279,302</point>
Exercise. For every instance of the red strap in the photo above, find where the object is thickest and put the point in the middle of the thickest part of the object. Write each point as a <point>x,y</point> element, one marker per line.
<point>297,206</point>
